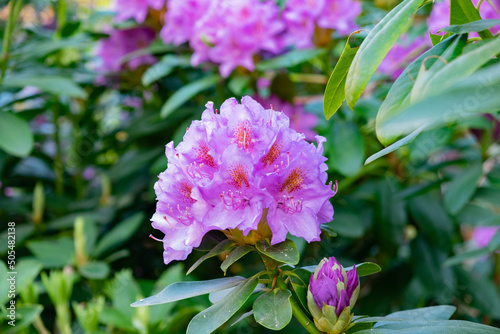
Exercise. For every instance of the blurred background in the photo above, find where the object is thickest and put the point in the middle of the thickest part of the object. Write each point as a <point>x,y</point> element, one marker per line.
<point>91,91</point>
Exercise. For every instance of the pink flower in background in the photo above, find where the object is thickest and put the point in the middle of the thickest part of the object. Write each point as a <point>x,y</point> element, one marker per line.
<point>482,235</point>
<point>181,18</point>
<point>300,19</point>
<point>440,16</point>
<point>235,167</point>
<point>402,54</point>
<point>340,15</point>
<point>300,120</point>
<point>111,50</point>
<point>135,9</point>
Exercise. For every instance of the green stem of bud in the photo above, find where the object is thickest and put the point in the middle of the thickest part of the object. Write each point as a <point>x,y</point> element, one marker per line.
<point>297,311</point>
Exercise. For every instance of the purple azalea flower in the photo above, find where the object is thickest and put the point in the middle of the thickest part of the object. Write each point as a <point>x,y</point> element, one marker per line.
<point>300,120</point>
<point>136,9</point>
<point>340,15</point>
<point>111,50</point>
<point>331,296</point>
<point>402,54</point>
<point>483,235</point>
<point>440,16</point>
<point>234,169</point>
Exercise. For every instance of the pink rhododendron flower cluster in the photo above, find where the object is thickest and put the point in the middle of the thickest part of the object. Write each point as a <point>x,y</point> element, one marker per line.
<point>230,33</point>
<point>482,235</point>
<point>111,50</point>
<point>402,54</point>
<point>440,15</point>
<point>302,17</point>
<point>135,9</point>
<point>237,168</point>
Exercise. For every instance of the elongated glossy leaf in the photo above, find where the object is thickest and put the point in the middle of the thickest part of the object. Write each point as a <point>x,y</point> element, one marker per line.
<point>48,84</point>
<point>463,11</point>
<point>289,59</point>
<point>401,89</point>
<point>300,284</point>
<point>273,309</point>
<point>163,68</point>
<point>461,67</point>
<point>375,47</point>
<point>210,319</point>
<point>479,93</point>
<point>15,135</point>
<point>119,234</point>
<point>220,248</point>
<point>184,290</point>
<point>472,26</point>
<point>186,93</point>
<point>285,251</point>
<point>234,256</point>
<point>393,147</point>
<point>433,327</point>
<point>335,88</point>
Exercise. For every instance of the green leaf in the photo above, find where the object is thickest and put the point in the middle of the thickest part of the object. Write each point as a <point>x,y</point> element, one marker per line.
<point>163,68</point>
<point>300,284</point>
<point>124,290</point>
<point>94,270</point>
<point>234,256</point>
<point>220,248</point>
<point>376,46</point>
<point>4,288</point>
<point>27,271</point>
<point>461,188</point>
<point>184,94</point>
<point>184,290</point>
<point>53,254</point>
<point>119,234</point>
<point>463,11</point>
<point>403,86</point>
<point>393,147</point>
<point>15,135</point>
<point>25,315</point>
<point>335,88</point>
<point>472,254</point>
<point>479,93</point>
<point>460,68</point>
<point>472,26</point>
<point>289,59</point>
<point>432,219</point>
<point>347,223</point>
<point>210,319</point>
<point>483,291</point>
<point>48,84</point>
<point>273,309</point>
<point>285,251</point>
<point>347,146</point>
<point>432,327</point>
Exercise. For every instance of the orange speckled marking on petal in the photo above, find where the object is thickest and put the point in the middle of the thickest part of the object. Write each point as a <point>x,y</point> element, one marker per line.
<point>239,176</point>
<point>203,155</point>
<point>293,181</point>
<point>243,135</point>
<point>273,153</point>
<point>185,190</point>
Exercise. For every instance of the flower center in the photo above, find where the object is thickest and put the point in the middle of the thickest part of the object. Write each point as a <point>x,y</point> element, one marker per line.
<point>243,135</point>
<point>239,176</point>
<point>204,157</point>
<point>185,190</point>
<point>273,153</point>
<point>293,181</point>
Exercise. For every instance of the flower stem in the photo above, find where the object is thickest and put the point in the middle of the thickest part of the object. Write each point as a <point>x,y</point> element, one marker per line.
<point>297,312</point>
